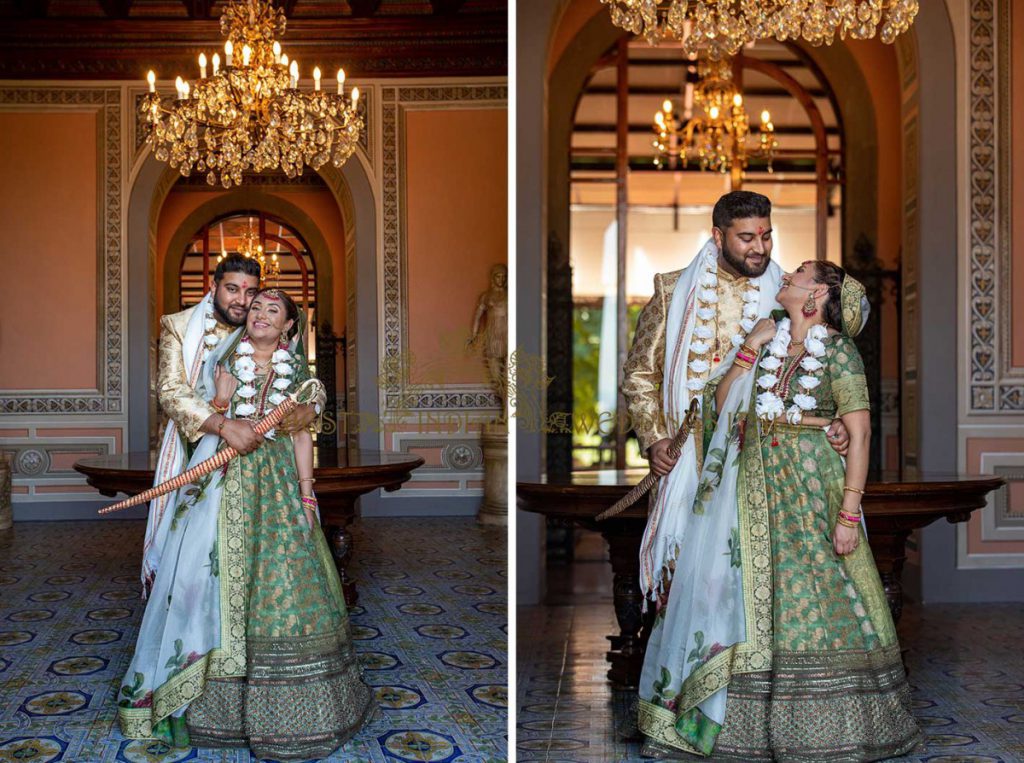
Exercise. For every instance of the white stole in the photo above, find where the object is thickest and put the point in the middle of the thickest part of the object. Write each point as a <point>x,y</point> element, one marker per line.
<point>668,517</point>
<point>171,461</point>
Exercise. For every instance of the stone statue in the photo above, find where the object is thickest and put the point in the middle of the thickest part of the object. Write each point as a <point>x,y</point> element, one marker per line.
<point>493,304</point>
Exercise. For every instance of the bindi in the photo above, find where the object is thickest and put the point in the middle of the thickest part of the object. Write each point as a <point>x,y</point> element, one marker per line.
<point>760,231</point>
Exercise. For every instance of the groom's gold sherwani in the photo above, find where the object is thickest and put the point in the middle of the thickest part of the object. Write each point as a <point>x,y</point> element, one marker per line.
<point>645,366</point>
<point>179,400</point>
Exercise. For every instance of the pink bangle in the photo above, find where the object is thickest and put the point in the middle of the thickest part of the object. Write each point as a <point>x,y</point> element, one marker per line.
<point>746,358</point>
<point>850,517</point>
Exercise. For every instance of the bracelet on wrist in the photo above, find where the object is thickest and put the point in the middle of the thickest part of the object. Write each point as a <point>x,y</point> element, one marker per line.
<point>852,489</point>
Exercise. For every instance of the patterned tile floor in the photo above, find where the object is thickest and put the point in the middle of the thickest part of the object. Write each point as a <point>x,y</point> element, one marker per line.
<point>431,630</point>
<point>966,671</point>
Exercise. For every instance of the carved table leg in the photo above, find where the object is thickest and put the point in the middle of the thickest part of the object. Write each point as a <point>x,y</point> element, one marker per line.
<point>340,540</point>
<point>627,648</point>
<point>889,548</point>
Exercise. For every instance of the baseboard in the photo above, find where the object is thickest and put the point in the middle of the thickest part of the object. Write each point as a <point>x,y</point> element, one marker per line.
<point>54,511</point>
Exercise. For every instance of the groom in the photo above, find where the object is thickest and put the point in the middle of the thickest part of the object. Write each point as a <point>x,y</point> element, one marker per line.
<point>685,340</point>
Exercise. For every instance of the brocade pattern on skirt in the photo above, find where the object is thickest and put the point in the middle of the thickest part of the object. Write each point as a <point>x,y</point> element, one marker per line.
<point>263,655</point>
<point>836,690</point>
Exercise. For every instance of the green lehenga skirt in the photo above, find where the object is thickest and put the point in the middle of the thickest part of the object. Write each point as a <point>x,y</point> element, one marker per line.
<point>837,689</point>
<point>284,680</point>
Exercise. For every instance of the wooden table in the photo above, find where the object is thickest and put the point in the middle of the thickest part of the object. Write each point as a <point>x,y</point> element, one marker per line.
<point>341,477</point>
<point>894,505</point>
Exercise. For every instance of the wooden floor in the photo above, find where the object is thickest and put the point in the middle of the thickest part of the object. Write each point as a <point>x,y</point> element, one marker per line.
<point>966,670</point>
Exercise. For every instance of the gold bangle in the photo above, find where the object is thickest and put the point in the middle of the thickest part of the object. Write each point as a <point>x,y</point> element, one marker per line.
<point>218,407</point>
<point>220,427</point>
<point>845,523</point>
<point>852,489</point>
<point>307,479</point>
<point>743,363</point>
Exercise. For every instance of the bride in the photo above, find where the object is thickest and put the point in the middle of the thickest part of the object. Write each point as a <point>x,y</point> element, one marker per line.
<point>245,641</point>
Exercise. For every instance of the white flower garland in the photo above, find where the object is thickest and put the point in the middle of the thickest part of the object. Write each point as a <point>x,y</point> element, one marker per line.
<point>244,369</point>
<point>210,338</point>
<point>700,360</point>
<point>769,405</point>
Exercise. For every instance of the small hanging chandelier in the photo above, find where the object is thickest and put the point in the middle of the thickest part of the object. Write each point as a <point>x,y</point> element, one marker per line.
<point>251,247</point>
<point>250,114</point>
<point>722,27</point>
<point>717,139</point>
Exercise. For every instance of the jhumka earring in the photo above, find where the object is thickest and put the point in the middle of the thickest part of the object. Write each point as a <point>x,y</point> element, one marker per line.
<point>810,307</point>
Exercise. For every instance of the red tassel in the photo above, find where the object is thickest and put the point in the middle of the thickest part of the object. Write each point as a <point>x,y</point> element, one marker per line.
<point>717,359</point>
<point>775,441</point>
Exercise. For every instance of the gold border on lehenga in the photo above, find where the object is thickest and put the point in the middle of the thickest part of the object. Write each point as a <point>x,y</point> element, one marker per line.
<point>227,660</point>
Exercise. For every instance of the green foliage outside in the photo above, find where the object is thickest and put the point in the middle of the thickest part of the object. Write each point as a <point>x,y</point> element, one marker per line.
<point>587,441</point>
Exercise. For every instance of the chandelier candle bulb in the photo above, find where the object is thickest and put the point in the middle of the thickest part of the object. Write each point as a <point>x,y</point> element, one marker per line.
<point>284,60</point>
<point>277,52</point>
<point>202,65</point>
<point>316,78</point>
<point>294,71</point>
<point>246,55</point>
<point>765,117</point>
<point>355,97</point>
<point>216,63</point>
<point>151,79</point>
<point>341,82</point>
<point>229,50</point>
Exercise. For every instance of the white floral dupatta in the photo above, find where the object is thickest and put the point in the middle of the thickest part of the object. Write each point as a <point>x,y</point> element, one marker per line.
<point>181,624</point>
<point>688,657</point>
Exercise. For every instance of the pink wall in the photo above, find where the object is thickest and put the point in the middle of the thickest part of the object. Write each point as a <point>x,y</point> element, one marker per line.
<point>48,289</point>
<point>1017,180</point>
<point>456,191</point>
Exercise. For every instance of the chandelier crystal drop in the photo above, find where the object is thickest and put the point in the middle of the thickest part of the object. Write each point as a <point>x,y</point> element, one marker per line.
<point>722,27</point>
<point>249,114</point>
<point>717,139</point>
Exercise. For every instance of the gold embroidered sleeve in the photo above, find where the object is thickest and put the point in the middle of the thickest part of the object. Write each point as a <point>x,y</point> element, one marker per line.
<point>849,384</point>
<point>643,372</point>
<point>180,402</point>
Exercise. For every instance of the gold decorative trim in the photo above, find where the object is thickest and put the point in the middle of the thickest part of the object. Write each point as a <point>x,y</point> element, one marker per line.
<point>229,659</point>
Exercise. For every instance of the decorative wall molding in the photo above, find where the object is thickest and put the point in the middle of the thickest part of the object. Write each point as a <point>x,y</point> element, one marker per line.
<point>995,386</point>
<point>108,397</point>
<point>398,391</point>
<point>461,458</point>
<point>42,454</point>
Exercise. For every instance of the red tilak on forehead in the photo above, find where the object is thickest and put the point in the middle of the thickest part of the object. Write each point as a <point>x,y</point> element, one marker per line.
<point>760,231</point>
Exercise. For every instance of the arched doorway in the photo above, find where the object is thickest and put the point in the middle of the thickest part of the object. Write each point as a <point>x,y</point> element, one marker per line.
<point>635,212</point>
<point>352,191</point>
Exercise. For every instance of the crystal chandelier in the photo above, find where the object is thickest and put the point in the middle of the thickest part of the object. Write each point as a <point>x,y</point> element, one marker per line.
<point>722,27</point>
<point>717,140</point>
<point>250,114</point>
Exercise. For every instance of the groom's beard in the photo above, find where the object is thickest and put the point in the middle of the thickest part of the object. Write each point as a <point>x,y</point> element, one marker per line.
<point>739,263</point>
<point>226,319</point>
